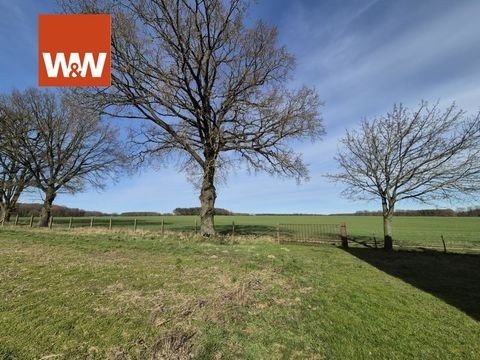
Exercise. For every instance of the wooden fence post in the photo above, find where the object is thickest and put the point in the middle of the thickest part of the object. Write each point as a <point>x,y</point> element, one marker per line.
<point>31,220</point>
<point>233,228</point>
<point>16,220</point>
<point>343,235</point>
<point>50,225</point>
<point>70,223</point>
<point>91,222</point>
<point>110,224</point>
<point>163,226</point>
<point>195,226</point>
<point>444,245</point>
<point>134,225</point>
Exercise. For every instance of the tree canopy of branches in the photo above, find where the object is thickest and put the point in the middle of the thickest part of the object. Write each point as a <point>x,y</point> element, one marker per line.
<point>63,147</point>
<point>212,91</point>
<point>426,155</point>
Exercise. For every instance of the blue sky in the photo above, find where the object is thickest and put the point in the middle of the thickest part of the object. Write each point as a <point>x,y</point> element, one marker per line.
<point>361,56</point>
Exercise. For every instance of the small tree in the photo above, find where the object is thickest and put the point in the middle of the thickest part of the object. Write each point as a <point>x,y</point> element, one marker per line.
<point>66,147</point>
<point>425,156</point>
<point>13,181</point>
<point>214,91</point>
<point>14,177</point>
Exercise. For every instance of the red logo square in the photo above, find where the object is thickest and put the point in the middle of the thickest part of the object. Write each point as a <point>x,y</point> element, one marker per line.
<point>74,50</point>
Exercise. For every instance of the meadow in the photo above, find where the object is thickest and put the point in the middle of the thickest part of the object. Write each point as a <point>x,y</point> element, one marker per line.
<point>99,294</point>
<point>457,232</point>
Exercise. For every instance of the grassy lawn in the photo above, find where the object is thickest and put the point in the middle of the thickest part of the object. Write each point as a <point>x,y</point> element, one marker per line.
<point>77,295</point>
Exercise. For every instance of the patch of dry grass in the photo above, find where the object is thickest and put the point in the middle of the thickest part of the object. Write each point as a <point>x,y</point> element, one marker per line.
<point>167,296</point>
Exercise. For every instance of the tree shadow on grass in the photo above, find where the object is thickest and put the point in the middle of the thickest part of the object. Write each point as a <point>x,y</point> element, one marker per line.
<point>454,278</point>
<point>366,241</point>
<point>258,230</point>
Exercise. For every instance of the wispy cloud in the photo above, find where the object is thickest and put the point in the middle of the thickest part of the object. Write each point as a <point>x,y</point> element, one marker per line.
<point>363,69</point>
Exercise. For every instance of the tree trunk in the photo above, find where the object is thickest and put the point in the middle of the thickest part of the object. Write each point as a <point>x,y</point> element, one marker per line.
<point>12,205</point>
<point>2,213</point>
<point>9,203</point>
<point>387,207</point>
<point>207,199</point>
<point>6,213</point>
<point>46,212</point>
<point>387,232</point>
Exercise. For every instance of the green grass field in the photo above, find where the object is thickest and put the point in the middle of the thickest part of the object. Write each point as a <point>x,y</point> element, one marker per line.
<point>458,232</point>
<point>96,294</point>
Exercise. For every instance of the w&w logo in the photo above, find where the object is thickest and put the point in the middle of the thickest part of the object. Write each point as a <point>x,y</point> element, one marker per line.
<point>74,66</point>
<point>74,50</point>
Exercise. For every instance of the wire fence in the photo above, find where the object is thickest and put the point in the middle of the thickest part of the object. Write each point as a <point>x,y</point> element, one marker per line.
<point>335,234</point>
<point>91,222</point>
<point>439,242</point>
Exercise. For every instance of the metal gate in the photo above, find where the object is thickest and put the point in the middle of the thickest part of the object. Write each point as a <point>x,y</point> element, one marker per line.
<point>313,233</point>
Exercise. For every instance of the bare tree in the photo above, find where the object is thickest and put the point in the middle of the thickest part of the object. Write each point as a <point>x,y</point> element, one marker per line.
<point>14,177</point>
<point>66,147</point>
<point>213,92</point>
<point>425,156</point>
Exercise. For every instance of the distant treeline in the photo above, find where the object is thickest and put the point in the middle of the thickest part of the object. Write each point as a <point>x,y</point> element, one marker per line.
<point>196,211</point>
<point>24,210</point>
<point>274,214</point>
<point>474,211</point>
<point>142,213</point>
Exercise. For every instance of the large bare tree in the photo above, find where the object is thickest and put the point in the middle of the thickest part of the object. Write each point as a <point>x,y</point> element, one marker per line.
<point>213,91</point>
<point>425,155</point>
<point>66,147</point>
